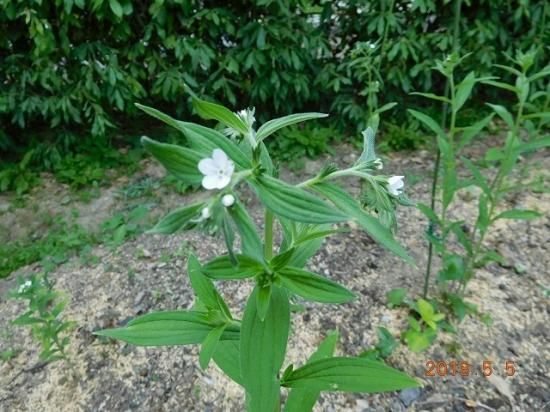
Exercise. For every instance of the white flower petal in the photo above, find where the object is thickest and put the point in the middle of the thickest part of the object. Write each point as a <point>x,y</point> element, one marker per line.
<point>220,158</point>
<point>222,181</point>
<point>210,182</point>
<point>205,213</point>
<point>207,167</point>
<point>229,168</point>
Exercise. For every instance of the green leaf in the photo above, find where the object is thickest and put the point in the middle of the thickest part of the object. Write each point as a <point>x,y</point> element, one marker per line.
<point>349,375</point>
<point>263,299</point>
<point>214,111</point>
<point>116,8</point>
<point>368,153</point>
<point>272,126</point>
<point>480,180</point>
<point>433,97</point>
<point>520,214</point>
<point>386,342</point>
<point>419,340</point>
<point>313,287</point>
<point>177,219</point>
<point>503,113</point>
<point>396,297</point>
<point>428,212</point>
<point>294,203</point>
<point>303,399</point>
<point>263,348</point>
<point>168,328</point>
<point>532,145</point>
<point>429,122</point>
<point>202,139</point>
<point>502,85</point>
<point>453,268</point>
<point>374,228</point>
<point>468,133</point>
<point>250,240</point>
<point>222,268</point>
<point>209,345</point>
<point>180,161</point>
<point>483,214</point>
<point>204,288</point>
<point>282,259</point>
<point>228,358</point>
<point>464,90</point>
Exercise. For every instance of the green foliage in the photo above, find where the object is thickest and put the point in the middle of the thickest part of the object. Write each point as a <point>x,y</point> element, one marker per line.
<point>305,213</point>
<point>65,239</point>
<point>43,316</point>
<point>458,267</point>
<point>283,56</point>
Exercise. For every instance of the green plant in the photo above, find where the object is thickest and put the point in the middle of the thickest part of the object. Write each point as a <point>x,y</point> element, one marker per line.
<point>120,227</point>
<point>458,267</point>
<point>43,316</point>
<point>251,350</point>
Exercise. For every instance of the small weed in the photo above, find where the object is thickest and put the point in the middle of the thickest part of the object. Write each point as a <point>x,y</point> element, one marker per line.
<point>43,316</point>
<point>8,354</point>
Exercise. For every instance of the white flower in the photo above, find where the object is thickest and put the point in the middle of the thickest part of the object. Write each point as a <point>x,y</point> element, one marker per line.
<point>23,288</point>
<point>228,200</point>
<point>247,116</point>
<point>395,185</point>
<point>378,163</point>
<point>205,213</point>
<point>217,170</point>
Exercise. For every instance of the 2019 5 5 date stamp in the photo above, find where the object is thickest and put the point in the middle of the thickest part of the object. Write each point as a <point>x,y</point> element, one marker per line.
<point>465,369</point>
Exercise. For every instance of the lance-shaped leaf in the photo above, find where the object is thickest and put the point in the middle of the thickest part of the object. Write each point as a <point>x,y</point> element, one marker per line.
<point>349,375</point>
<point>202,139</point>
<point>228,358</point>
<point>374,228</point>
<point>214,111</point>
<point>468,133</point>
<point>479,179</point>
<point>464,90</point>
<point>205,140</point>
<point>519,214</point>
<point>263,348</point>
<point>429,122</point>
<point>250,240</point>
<point>503,113</point>
<point>294,203</point>
<point>312,286</point>
<point>369,133</point>
<point>209,345</point>
<point>272,126</point>
<point>204,288</point>
<point>222,268</point>
<point>302,399</point>
<point>178,160</point>
<point>177,219</point>
<point>168,328</point>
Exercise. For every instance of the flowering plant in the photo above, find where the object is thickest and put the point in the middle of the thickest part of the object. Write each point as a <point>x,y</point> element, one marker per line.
<point>251,350</point>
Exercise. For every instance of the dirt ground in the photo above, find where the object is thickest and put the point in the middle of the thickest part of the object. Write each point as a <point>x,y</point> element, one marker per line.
<point>137,278</point>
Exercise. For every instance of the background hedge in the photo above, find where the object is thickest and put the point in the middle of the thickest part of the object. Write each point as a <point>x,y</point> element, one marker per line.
<point>72,69</point>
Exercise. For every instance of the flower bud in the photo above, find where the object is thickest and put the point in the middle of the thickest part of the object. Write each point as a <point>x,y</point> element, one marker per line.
<point>228,200</point>
<point>205,213</point>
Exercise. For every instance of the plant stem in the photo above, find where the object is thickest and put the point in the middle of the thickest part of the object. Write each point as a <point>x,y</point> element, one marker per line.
<point>268,235</point>
<point>456,33</point>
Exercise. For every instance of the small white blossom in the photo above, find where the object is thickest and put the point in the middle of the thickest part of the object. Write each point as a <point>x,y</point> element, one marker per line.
<point>395,185</point>
<point>228,200</point>
<point>205,213</point>
<point>217,170</point>
<point>247,116</point>
<point>378,163</point>
<point>23,288</point>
